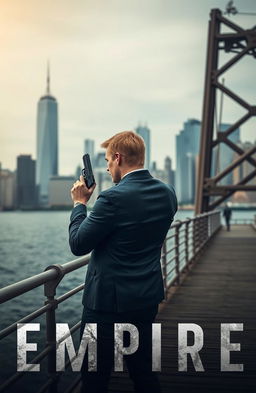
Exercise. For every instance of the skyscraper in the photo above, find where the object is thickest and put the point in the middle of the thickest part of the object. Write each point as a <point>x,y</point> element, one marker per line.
<point>47,142</point>
<point>187,148</point>
<point>242,171</point>
<point>89,149</point>
<point>144,132</point>
<point>223,155</point>
<point>26,187</point>
<point>169,171</point>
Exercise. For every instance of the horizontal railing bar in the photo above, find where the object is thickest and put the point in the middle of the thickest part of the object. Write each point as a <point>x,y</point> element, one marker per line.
<point>73,385</point>
<point>46,385</point>
<point>76,263</point>
<point>21,287</point>
<point>170,250</point>
<point>170,237</point>
<point>170,271</point>
<point>71,330</point>
<point>38,358</point>
<point>11,328</point>
<point>70,293</point>
<point>170,260</point>
<point>169,284</point>
<point>15,377</point>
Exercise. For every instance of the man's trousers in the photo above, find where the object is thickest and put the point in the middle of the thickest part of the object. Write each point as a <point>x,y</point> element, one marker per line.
<point>139,363</point>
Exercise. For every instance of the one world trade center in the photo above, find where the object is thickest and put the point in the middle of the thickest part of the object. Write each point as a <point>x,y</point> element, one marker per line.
<point>47,142</point>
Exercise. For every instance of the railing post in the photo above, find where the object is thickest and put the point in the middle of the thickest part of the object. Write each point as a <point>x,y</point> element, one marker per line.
<point>202,238</point>
<point>210,221</point>
<point>50,292</point>
<point>186,241</point>
<point>202,234</point>
<point>177,255</point>
<point>206,229</point>
<point>196,235</point>
<point>194,240</point>
<point>164,267</point>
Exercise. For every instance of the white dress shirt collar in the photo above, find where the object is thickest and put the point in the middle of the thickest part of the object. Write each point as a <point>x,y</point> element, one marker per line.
<point>135,170</point>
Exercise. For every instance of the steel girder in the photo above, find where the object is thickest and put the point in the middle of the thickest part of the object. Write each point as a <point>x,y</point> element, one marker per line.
<point>242,42</point>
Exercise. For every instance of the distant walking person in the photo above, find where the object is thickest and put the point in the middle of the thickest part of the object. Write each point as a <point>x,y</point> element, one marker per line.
<point>227,213</point>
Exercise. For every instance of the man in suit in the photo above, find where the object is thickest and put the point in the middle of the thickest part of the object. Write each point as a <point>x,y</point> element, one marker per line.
<point>125,232</point>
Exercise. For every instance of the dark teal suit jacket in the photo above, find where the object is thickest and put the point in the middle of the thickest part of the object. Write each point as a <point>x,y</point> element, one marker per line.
<point>125,232</point>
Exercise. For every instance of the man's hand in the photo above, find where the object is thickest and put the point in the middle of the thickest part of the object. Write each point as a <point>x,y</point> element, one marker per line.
<point>80,193</point>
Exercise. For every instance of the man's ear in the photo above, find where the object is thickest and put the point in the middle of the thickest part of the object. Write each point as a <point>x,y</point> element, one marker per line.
<point>118,158</point>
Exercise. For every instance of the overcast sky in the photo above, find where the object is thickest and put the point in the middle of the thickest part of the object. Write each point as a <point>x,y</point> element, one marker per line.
<point>114,63</point>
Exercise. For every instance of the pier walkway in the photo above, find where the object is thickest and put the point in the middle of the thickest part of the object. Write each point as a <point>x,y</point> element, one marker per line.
<point>221,288</point>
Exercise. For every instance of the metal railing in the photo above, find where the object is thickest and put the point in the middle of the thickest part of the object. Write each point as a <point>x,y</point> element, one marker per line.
<point>254,223</point>
<point>242,221</point>
<point>183,245</point>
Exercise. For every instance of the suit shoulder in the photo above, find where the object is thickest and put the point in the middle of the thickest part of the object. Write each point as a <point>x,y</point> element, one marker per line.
<point>170,191</point>
<point>165,186</point>
<point>108,194</point>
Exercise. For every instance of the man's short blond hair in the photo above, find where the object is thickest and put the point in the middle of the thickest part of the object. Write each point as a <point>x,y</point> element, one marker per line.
<point>129,144</point>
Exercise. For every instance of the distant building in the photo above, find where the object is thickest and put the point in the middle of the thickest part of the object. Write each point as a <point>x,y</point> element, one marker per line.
<point>102,178</point>
<point>78,172</point>
<point>160,174</point>
<point>47,142</point>
<point>89,145</point>
<point>241,172</point>
<point>59,191</point>
<point>154,166</point>
<point>144,132</point>
<point>100,161</point>
<point>169,171</point>
<point>7,189</point>
<point>187,149</point>
<point>26,195</point>
<point>223,155</point>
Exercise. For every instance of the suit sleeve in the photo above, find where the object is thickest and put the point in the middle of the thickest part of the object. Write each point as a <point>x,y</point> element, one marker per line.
<point>85,232</point>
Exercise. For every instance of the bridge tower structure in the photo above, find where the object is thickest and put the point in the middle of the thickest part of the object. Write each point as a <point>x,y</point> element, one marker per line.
<point>242,42</point>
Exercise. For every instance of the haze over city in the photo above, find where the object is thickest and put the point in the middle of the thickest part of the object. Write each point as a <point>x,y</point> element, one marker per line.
<point>114,65</point>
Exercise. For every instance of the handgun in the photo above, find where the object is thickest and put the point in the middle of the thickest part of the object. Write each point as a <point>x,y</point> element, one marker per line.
<point>87,172</point>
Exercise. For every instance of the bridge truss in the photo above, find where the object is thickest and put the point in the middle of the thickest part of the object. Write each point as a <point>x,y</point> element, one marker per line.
<point>242,42</point>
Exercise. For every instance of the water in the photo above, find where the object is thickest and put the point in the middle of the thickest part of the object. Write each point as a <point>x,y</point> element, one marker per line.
<point>29,242</point>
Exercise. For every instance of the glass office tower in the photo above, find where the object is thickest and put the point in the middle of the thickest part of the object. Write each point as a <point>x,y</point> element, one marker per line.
<point>223,155</point>
<point>47,142</point>
<point>26,187</point>
<point>187,148</point>
<point>144,132</point>
<point>89,149</point>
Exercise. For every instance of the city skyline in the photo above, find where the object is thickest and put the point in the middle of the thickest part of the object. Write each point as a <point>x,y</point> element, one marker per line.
<point>107,76</point>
